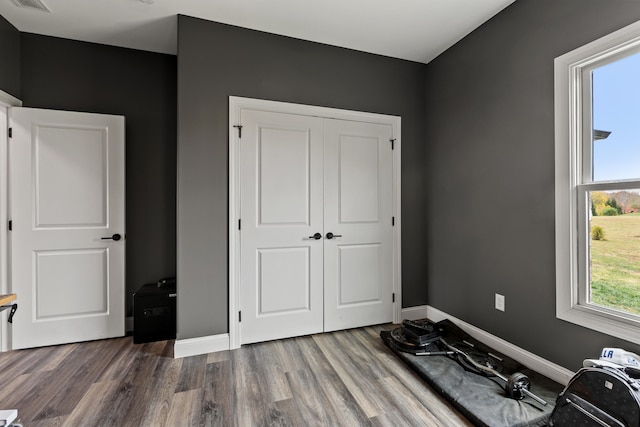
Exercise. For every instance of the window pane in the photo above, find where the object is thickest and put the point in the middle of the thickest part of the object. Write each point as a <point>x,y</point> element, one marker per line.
<point>615,250</point>
<point>616,109</point>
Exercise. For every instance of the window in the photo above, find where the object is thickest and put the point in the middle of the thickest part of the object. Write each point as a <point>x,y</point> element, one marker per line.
<point>597,146</point>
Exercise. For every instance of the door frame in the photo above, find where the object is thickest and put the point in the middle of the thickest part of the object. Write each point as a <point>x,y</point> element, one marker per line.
<point>6,101</point>
<point>236,105</point>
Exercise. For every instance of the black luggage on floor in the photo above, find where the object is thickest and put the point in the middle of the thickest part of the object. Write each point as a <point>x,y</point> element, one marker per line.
<point>598,396</point>
<point>154,313</point>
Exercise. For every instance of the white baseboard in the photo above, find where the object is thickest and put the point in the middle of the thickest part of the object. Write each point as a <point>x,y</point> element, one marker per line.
<point>415,313</point>
<point>200,345</point>
<point>530,360</point>
<point>214,343</point>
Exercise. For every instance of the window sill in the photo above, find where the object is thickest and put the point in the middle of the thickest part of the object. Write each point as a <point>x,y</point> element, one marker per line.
<point>602,321</point>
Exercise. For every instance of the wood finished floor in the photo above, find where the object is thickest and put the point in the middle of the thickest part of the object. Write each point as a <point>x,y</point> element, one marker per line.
<point>346,378</point>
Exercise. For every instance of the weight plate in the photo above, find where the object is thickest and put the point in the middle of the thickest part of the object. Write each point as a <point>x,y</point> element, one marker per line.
<point>401,341</point>
<point>515,384</point>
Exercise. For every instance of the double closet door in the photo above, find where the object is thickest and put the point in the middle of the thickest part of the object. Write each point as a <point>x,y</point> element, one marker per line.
<point>316,239</point>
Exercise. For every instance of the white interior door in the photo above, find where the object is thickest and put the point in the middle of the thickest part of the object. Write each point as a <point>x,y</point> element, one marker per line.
<point>66,175</point>
<point>281,209</point>
<point>358,211</point>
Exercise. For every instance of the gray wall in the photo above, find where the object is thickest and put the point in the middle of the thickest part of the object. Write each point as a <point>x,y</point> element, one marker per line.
<point>216,61</point>
<point>490,169</point>
<point>477,166</point>
<point>70,75</point>
<point>10,54</point>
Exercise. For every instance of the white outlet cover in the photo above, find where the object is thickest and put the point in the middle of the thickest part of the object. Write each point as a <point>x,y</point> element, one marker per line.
<point>499,302</point>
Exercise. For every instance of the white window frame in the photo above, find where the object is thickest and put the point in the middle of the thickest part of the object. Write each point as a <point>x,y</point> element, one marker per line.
<point>573,123</point>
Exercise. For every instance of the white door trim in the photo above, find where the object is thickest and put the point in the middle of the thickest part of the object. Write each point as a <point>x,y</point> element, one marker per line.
<point>236,104</point>
<point>6,101</point>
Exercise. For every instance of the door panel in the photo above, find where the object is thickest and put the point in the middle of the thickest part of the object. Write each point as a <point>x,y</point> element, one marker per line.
<point>281,206</point>
<point>81,273</point>
<point>358,208</point>
<point>284,172</point>
<point>283,283</point>
<point>70,185</point>
<point>67,194</point>
<point>354,268</point>
<point>358,174</point>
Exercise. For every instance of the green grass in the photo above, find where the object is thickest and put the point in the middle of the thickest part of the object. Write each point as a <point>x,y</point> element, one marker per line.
<point>615,263</point>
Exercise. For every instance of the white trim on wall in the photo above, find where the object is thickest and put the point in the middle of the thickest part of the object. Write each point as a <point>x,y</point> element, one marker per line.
<point>397,229</point>
<point>236,104</point>
<point>221,342</point>
<point>6,101</point>
<point>571,164</point>
<point>201,345</point>
<point>415,313</point>
<point>549,369</point>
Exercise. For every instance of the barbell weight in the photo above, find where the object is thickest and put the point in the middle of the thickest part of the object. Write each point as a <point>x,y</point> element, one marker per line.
<point>516,384</point>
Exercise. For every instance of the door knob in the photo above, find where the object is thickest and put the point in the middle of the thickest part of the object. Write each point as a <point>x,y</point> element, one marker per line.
<point>330,235</point>
<point>115,237</point>
<point>316,236</point>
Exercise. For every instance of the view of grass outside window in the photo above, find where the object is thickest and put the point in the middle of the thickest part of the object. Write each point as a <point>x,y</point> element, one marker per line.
<point>615,250</point>
<point>614,217</point>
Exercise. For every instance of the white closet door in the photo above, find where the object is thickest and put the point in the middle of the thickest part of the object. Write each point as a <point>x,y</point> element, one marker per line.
<point>67,201</point>
<point>358,185</point>
<point>281,272</point>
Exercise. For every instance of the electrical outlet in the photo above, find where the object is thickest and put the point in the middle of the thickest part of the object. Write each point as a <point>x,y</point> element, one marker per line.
<point>499,302</point>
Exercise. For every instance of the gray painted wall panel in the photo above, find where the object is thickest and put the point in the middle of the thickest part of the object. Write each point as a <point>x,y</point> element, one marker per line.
<point>10,54</point>
<point>490,169</point>
<point>216,61</point>
<point>78,76</point>
<point>478,171</point>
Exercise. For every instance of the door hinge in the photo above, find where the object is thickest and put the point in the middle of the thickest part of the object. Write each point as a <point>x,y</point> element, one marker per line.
<point>393,141</point>
<point>239,127</point>
<point>239,224</point>
<point>239,316</point>
<point>393,297</point>
<point>10,225</point>
<point>10,132</point>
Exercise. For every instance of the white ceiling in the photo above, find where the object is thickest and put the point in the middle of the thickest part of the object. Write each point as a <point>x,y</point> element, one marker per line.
<point>417,30</point>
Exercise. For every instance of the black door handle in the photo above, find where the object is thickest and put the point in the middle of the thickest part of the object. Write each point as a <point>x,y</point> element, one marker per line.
<point>316,236</point>
<point>330,235</point>
<point>115,237</point>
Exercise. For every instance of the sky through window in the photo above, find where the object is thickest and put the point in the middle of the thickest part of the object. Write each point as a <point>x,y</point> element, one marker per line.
<point>616,108</point>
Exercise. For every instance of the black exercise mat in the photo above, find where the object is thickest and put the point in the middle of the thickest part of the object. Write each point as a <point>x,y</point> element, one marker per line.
<point>481,399</point>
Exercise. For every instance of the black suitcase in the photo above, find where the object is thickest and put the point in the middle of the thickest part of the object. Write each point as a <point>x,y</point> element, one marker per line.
<point>598,396</point>
<point>154,313</point>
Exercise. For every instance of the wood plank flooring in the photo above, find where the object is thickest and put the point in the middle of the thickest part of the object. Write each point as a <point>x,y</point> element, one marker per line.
<point>346,378</point>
